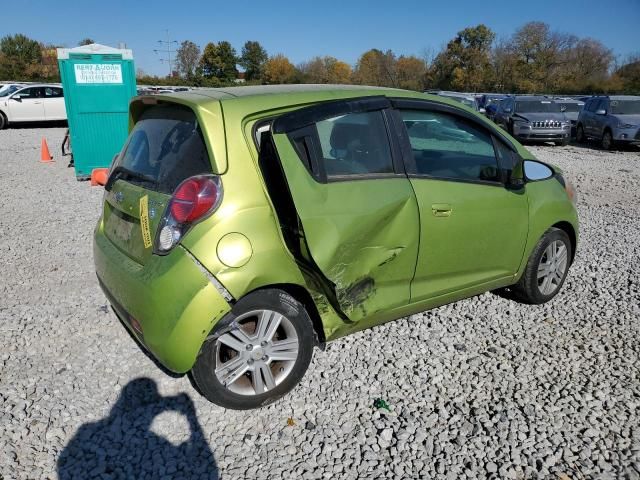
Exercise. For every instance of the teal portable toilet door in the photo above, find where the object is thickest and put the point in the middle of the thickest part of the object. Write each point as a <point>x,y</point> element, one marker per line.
<point>98,84</point>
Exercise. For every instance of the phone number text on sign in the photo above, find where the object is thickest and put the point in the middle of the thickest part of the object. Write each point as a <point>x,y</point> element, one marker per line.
<point>98,73</point>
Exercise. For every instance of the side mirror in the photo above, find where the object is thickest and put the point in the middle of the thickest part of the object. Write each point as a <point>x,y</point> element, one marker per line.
<point>601,112</point>
<point>17,98</point>
<point>534,170</point>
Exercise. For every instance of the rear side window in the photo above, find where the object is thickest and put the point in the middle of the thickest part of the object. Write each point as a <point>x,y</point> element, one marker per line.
<point>166,146</point>
<point>355,144</point>
<point>52,92</point>
<point>450,147</point>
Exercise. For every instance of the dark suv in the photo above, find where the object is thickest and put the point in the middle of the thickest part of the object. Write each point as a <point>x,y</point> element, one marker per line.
<point>534,118</point>
<point>611,120</point>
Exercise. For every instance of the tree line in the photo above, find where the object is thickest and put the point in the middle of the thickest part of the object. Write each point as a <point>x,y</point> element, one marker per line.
<point>535,58</point>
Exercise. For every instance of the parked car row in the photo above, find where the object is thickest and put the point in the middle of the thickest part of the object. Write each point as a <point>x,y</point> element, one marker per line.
<point>31,103</point>
<point>610,120</point>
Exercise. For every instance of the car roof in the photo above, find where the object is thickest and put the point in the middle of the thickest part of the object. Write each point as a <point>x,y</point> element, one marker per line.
<point>532,98</point>
<point>246,100</point>
<point>57,85</point>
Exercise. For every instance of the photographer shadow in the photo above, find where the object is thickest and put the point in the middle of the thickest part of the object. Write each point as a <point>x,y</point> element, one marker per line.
<point>122,446</point>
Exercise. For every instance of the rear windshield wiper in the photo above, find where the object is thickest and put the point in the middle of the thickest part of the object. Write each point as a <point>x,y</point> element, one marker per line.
<point>124,173</point>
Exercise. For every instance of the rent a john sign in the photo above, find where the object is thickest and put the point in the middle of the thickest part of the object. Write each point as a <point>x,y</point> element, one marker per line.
<point>98,73</point>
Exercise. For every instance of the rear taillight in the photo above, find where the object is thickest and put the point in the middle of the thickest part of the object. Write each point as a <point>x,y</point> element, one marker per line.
<point>194,199</point>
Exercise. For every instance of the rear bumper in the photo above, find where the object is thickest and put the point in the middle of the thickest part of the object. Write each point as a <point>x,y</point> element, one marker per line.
<point>168,304</point>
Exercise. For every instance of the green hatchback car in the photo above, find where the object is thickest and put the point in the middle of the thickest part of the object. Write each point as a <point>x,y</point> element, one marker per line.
<point>241,227</point>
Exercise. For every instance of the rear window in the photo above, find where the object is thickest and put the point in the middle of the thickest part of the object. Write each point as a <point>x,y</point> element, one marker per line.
<point>167,146</point>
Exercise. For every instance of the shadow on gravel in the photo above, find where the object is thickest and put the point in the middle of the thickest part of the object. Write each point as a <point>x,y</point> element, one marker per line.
<point>123,445</point>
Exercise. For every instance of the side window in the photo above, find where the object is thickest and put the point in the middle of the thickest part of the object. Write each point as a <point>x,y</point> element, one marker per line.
<point>506,156</point>
<point>33,92</point>
<point>354,144</point>
<point>450,147</point>
<point>52,92</point>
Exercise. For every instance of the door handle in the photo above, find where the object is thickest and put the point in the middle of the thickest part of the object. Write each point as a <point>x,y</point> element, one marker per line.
<point>441,210</point>
<point>37,103</point>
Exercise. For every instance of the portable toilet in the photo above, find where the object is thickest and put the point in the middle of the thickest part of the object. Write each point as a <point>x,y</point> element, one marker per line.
<point>98,83</point>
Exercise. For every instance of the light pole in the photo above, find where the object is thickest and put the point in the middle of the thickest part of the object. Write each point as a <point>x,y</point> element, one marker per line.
<point>168,43</point>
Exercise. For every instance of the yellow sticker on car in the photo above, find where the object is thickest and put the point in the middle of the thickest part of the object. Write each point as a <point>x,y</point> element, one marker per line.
<point>144,221</point>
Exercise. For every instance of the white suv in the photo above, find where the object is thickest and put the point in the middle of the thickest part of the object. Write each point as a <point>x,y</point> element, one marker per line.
<point>33,103</point>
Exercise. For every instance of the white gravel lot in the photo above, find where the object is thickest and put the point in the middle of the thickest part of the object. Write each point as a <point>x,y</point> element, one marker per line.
<point>481,388</point>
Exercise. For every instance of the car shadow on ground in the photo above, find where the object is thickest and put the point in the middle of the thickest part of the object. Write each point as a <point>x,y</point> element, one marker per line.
<point>33,125</point>
<point>124,446</point>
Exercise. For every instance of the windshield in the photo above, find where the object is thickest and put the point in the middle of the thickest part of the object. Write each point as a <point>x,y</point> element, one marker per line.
<point>166,146</point>
<point>537,106</point>
<point>4,91</point>
<point>465,101</point>
<point>572,107</point>
<point>625,107</point>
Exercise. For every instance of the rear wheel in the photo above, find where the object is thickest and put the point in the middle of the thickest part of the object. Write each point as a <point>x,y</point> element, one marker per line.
<point>607,140</point>
<point>580,138</point>
<point>546,269</point>
<point>263,358</point>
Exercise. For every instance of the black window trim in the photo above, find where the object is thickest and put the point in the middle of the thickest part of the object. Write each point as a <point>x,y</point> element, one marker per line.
<point>427,105</point>
<point>298,122</point>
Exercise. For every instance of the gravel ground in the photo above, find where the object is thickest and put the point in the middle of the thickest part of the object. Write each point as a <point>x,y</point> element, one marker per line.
<point>481,388</point>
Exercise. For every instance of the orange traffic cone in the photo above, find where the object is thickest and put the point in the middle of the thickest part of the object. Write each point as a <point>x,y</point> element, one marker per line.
<point>45,155</point>
<point>99,177</point>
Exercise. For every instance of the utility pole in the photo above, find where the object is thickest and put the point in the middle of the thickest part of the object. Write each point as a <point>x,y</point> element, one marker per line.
<point>166,48</point>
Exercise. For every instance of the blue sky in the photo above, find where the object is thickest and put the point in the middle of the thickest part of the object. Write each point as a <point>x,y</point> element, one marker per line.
<point>303,29</point>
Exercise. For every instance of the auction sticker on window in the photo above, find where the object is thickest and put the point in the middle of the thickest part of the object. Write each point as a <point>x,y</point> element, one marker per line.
<point>98,73</point>
<point>144,221</point>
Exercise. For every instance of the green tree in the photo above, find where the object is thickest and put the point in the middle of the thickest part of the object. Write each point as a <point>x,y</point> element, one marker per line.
<point>465,63</point>
<point>85,41</point>
<point>541,55</point>
<point>19,57</point>
<point>219,61</point>
<point>252,59</point>
<point>187,59</point>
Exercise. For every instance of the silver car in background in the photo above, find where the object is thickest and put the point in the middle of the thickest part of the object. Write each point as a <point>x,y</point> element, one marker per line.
<point>534,118</point>
<point>465,98</point>
<point>571,108</point>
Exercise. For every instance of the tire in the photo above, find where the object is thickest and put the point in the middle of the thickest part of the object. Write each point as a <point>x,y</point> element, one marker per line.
<point>510,128</point>
<point>563,143</point>
<point>531,288</point>
<point>251,372</point>
<point>3,121</point>
<point>580,138</point>
<point>607,142</point>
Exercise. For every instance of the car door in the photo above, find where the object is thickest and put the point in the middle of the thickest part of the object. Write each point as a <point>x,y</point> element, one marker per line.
<point>53,102</point>
<point>591,117</point>
<point>352,218</point>
<point>472,228</point>
<point>26,105</point>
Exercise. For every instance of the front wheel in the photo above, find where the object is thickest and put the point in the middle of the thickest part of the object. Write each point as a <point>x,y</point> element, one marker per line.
<point>546,269</point>
<point>580,138</point>
<point>3,121</point>
<point>262,357</point>
<point>607,140</point>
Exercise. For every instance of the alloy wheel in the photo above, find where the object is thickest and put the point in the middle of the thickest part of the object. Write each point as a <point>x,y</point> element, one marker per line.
<point>258,356</point>
<point>552,267</point>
